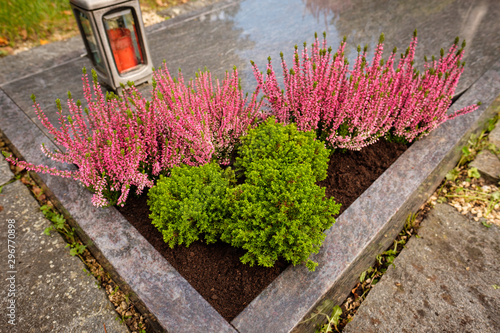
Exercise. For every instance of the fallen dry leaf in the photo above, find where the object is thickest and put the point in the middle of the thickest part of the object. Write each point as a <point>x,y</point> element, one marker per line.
<point>43,41</point>
<point>3,41</point>
<point>37,190</point>
<point>24,34</point>
<point>67,12</point>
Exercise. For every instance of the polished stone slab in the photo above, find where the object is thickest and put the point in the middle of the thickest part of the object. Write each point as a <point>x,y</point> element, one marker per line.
<point>244,30</point>
<point>48,86</point>
<point>40,58</point>
<point>262,28</point>
<point>442,281</point>
<point>185,8</point>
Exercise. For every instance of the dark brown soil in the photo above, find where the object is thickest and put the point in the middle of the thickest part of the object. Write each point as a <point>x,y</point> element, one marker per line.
<point>352,172</point>
<point>216,272</point>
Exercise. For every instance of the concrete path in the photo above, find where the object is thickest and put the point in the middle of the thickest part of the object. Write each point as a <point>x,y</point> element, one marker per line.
<point>43,288</point>
<point>445,281</point>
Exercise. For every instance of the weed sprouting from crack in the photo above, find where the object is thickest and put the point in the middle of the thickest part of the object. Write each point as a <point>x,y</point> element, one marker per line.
<point>60,225</point>
<point>332,321</point>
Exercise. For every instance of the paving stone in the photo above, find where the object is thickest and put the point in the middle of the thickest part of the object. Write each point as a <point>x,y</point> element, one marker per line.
<point>442,282</point>
<point>494,136</point>
<point>488,165</point>
<point>5,173</point>
<point>52,292</point>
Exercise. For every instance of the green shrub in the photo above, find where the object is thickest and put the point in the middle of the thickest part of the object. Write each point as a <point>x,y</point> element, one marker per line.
<point>189,203</point>
<point>279,211</point>
<point>283,146</point>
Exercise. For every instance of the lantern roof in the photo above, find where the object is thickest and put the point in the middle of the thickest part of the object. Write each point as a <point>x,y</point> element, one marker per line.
<point>96,4</point>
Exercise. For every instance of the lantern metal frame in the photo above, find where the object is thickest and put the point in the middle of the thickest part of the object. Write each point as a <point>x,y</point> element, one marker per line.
<point>108,74</point>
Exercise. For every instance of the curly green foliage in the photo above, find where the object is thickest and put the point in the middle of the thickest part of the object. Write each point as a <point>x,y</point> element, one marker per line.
<point>279,211</point>
<point>189,203</point>
<point>282,146</point>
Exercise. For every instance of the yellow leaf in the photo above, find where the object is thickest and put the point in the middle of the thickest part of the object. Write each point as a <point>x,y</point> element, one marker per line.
<point>3,41</point>
<point>43,41</point>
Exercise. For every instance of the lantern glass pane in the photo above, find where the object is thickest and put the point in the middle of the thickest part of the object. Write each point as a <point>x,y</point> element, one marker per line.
<point>123,37</point>
<point>90,40</point>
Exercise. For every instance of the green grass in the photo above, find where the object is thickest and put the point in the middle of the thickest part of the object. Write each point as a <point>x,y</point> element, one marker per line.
<point>34,20</point>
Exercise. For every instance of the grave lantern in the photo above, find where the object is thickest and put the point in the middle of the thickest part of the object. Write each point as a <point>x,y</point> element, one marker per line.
<point>114,36</point>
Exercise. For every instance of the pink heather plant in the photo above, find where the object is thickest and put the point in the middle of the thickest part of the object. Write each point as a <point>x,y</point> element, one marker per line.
<point>117,143</point>
<point>352,108</point>
<point>214,118</point>
<point>105,141</point>
<point>423,100</point>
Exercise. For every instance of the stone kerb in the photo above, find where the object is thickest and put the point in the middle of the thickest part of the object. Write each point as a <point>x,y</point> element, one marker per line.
<point>351,245</point>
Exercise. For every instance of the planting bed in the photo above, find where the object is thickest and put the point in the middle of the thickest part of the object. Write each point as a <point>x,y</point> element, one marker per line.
<point>215,270</point>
